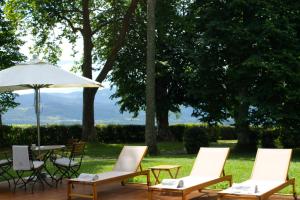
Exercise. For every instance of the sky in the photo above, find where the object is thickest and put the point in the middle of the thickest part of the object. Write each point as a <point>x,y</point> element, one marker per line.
<point>66,62</point>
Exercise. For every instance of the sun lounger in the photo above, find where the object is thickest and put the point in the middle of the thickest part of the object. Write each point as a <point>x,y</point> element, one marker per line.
<point>208,170</point>
<point>269,175</point>
<point>127,166</point>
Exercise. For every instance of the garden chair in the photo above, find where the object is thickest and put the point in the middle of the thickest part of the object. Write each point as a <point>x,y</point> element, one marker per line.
<point>65,152</point>
<point>5,166</point>
<point>127,166</point>
<point>208,170</point>
<point>69,166</point>
<point>23,162</point>
<point>269,175</point>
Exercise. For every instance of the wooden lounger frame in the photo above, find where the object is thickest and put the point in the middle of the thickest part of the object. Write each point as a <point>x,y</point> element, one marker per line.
<point>95,184</point>
<point>265,195</point>
<point>262,196</point>
<point>199,187</point>
<point>185,192</point>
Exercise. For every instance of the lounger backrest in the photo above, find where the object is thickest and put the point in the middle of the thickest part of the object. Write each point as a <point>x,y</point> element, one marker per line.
<point>271,164</point>
<point>210,162</point>
<point>130,158</point>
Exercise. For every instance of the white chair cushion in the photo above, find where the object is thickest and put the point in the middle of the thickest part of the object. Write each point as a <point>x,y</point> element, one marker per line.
<point>4,162</point>
<point>37,164</point>
<point>65,162</point>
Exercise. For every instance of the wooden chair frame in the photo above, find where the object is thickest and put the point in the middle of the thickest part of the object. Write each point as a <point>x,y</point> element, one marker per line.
<point>70,170</point>
<point>95,184</point>
<point>4,169</point>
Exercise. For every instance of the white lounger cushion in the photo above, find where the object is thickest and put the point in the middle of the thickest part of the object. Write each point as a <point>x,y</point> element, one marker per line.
<point>188,181</point>
<point>271,164</point>
<point>262,187</point>
<point>210,162</point>
<point>104,176</point>
<point>130,158</point>
<point>128,162</point>
<point>4,162</point>
<point>65,162</point>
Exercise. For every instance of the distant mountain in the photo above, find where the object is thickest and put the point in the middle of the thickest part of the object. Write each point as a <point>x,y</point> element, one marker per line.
<point>66,108</point>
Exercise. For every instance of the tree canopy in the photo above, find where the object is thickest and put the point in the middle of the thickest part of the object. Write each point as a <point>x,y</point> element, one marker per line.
<point>101,25</point>
<point>130,81</point>
<point>9,55</point>
<point>246,62</point>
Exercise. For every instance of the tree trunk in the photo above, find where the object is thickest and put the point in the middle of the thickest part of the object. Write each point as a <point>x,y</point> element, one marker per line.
<point>88,122</point>
<point>1,120</point>
<point>242,126</point>
<point>150,133</point>
<point>162,118</point>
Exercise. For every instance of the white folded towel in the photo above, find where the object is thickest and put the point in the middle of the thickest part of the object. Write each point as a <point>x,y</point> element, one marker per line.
<point>244,188</point>
<point>176,183</point>
<point>88,177</point>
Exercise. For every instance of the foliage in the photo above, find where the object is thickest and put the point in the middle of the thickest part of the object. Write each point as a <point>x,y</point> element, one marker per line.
<point>101,25</point>
<point>9,55</point>
<point>58,134</point>
<point>130,81</point>
<point>245,58</point>
<point>194,138</point>
<point>290,138</point>
<point>269,138</point>
<point>7,101</point>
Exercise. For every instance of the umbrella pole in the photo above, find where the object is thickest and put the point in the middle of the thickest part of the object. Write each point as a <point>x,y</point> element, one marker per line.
<point>37,112</point>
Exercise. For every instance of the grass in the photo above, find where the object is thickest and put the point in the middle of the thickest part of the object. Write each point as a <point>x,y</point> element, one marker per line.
<point>101,157</point>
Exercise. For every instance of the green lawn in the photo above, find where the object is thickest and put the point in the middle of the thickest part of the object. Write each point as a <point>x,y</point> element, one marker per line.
<point>101,158</point>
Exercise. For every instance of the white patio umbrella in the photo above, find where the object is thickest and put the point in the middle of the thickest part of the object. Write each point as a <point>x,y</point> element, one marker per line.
<point>36,75</point>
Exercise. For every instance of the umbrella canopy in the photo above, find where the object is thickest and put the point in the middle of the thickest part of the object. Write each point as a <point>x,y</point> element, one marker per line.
<point>37,75</point>
<point>40,75</point>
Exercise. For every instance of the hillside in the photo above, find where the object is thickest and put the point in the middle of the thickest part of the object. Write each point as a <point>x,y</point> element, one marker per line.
<point>66,108</point>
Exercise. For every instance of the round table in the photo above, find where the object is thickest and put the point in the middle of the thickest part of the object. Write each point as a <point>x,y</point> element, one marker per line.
<point>47,147</point>
<point>49,151</point>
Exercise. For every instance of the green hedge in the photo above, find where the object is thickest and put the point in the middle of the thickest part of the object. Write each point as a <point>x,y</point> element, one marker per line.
<point>59,134</point>
<point>194,138</point>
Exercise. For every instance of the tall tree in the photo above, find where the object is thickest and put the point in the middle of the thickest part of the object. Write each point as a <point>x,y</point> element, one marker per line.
<point>150,133</point>
<point>9,55</point>
<point>170,64</point>
<point>101,24</point>
<point>248,62</point>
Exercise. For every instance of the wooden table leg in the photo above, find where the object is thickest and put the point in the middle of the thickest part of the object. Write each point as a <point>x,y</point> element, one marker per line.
<point>177,170</point>
<point>171,175</point>
<point>156,176</point>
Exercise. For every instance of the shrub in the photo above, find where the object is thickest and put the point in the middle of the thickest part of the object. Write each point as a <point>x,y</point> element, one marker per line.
<point>290,138</point>
<point>253,142</point>
<point>213,133</point>
<point>194,138</point>
<point>177,131</point>
<point>227,133</point>
<point>269,137</point>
